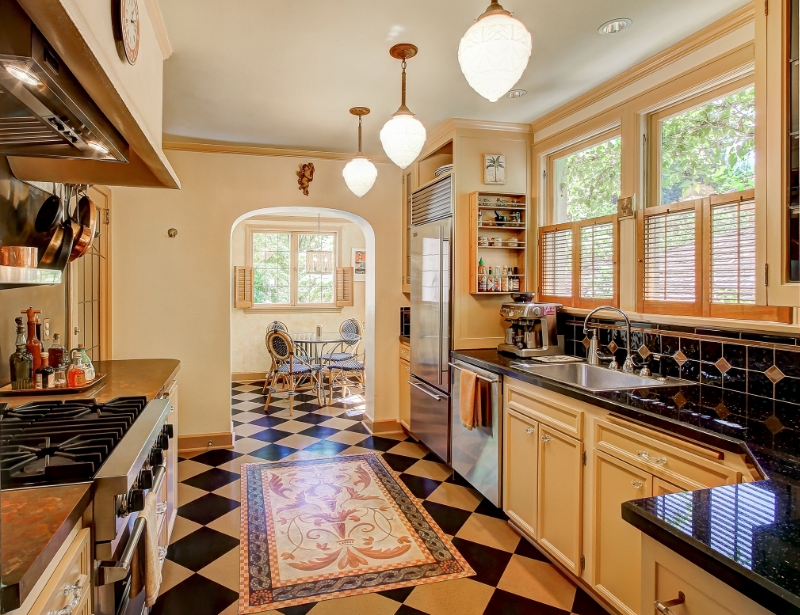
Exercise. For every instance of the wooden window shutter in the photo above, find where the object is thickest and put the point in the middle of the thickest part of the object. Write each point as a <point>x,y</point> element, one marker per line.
<point>597,262</point>
<point>555,258</point>
<point>243,287</point>
<point>344,286</point>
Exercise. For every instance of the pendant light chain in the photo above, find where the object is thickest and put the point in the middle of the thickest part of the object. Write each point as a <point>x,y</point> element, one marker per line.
<point>359,134</point>
<point>403,93</point>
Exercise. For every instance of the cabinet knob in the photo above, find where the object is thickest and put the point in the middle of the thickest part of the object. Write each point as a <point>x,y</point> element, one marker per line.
<point>545,438</point>
<point>529,430</point>
<point>663,607</point>
<point>637,484</point>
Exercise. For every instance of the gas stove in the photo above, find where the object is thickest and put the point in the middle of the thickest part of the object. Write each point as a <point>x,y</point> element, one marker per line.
<point>53,442</point>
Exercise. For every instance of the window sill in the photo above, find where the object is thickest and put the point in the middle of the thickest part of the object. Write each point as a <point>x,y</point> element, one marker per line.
<point>264,309</point>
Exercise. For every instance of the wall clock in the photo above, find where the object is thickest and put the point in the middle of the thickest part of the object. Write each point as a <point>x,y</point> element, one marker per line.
<point>126,22</point>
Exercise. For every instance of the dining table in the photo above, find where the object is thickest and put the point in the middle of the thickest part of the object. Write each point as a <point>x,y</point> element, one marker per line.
<point>314,346</point>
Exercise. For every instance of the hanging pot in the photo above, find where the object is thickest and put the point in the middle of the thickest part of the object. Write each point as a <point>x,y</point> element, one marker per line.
<point>65,249</point>
<point>82,239</point>
<point>57,252</point>
<point>86,213</point>
<point>49,215</point>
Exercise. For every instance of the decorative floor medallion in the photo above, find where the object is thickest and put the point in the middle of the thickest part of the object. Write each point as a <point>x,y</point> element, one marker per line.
<point>327,528</point>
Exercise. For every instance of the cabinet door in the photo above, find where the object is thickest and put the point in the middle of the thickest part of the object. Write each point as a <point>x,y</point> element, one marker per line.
<point>519,471</point>
<point>405,395</point>
<point>662,487</point>
<point>560,478</point>
<point>617,544</point>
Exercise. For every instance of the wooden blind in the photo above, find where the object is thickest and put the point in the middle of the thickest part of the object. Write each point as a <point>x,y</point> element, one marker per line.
<point>344,286</point>
<point>243,287</point>
<point>597,260</point>
<point>555,246</point>
<point>733,253</point>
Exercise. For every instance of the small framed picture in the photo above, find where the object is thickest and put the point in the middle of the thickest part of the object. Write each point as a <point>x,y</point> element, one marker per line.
<point>494,169</point>
<point>360,264</point>
<point>625,207</point>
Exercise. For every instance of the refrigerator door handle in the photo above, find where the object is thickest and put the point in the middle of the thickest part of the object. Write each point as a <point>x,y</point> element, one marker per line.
<point>424,390</point>
<point>441,299</point>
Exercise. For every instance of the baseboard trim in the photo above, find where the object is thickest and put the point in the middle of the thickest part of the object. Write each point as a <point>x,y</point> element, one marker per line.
<point>205,442</point>
<point>384,426</point>
<point>247,376</point>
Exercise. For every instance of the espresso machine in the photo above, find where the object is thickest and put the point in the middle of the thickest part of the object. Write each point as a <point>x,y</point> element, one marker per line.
<point>532,331</point>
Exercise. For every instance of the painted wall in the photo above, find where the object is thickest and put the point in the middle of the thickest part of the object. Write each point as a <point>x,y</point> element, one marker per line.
<point>248,351</point>
<point>172,297</point>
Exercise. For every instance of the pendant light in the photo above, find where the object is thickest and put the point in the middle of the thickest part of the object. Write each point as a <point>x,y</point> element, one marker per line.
<point>404,135</point>
<point>359,174</point>
<point>319,261</point>
<point>494,52</point>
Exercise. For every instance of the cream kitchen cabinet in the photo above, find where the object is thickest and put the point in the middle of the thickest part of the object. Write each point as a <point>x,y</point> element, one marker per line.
<point>521,450</point>
<point>404,375</point>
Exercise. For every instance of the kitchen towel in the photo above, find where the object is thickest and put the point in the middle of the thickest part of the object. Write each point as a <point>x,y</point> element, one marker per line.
<point>152,568</point>
<point>467,400</point>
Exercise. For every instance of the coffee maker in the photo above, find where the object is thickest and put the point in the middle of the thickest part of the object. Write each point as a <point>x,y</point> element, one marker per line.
<point>532,331</point>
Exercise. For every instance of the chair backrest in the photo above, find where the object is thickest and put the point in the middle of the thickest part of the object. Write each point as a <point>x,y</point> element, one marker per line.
<point>351,332</point>
<point>280,346</point>
<point>277,325</point>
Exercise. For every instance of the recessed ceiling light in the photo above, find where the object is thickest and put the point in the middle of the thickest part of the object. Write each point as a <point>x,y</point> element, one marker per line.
<point>23,74</point>
<point>99,147</point>
<point>614,26</point>
<point>517,93</point>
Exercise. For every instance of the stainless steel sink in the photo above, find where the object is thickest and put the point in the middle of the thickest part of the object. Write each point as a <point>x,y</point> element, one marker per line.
<point>595,378</point>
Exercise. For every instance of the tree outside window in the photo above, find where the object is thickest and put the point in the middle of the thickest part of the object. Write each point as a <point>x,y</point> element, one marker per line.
<point>587,182</point>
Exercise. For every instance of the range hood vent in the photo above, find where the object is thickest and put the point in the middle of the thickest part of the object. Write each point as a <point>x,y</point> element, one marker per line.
<point>44,111</point>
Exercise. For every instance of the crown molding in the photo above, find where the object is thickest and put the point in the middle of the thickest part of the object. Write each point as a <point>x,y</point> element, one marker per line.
<point>707,35</point>
<point>453,123</point>
<point>159,27</point>
<point>257,150</point>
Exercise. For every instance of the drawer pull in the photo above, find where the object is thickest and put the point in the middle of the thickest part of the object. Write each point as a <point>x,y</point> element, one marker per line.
<point>161,508</point>
<point>545,438</point>
<point>162,554</point>
<point>76,591</point>
<point>663,607</point>
<point>637,484</point>
<point>529,430</point>
<point>660,461</point>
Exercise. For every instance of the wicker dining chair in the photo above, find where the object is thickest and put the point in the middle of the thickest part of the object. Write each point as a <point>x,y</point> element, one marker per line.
<point>346,350</point>
<point>290,370</point>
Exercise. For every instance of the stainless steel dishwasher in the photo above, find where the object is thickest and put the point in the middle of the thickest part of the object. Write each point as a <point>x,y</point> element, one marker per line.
<point>476,453</point>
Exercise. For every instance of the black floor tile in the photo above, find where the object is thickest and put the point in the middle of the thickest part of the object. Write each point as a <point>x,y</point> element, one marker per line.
<point>526,549</point>
<point>217,457</point>
<point>420,487</point>
<point>211,480</point>
<point>200,548</point>
<point>319,432</point>
<point>298,610</point>
<point>268,421</point>
<point>510,604</point>
<point>312,418</point>
<point>273,452</point>
<point>407,610</point>
<point>431,456</point>
<point>269,435</point>
<point>489,563</point>
<point>195,596</point>
<point>358,428</point>
<point>206,508</point>
<point>398,463</point>
<point>448,518</point>
<point>377,443</point>
<point>490,510</point>
<point>325,448</point>
<point>585,604</point>
<point>398,595</point>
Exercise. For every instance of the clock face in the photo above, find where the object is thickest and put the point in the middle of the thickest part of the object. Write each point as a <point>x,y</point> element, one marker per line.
<point>129,29</point>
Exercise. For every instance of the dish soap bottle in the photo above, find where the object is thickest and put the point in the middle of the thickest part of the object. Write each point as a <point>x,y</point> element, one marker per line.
<point>481,276</point>
<point>76,376</point>
<point>87,364</point>
<point>21,362</point>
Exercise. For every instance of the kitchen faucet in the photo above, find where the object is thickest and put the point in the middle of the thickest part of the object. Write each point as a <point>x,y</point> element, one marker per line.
<point>629,366</point>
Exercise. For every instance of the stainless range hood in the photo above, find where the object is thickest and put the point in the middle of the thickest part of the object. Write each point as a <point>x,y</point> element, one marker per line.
<point>44,111</point>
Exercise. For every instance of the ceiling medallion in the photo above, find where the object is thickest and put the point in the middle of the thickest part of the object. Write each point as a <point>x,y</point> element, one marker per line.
<point>404,135</point>
<point>359,174</point>
<point>494,52</point>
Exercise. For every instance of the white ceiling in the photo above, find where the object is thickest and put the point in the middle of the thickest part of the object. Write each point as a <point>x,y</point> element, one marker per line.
<point>285,74</point>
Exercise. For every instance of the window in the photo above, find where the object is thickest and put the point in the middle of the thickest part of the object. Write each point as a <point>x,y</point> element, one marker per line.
<point>578,251</point>
<point>280,274</point>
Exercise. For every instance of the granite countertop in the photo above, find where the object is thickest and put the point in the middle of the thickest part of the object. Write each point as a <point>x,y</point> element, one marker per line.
<point>747,535</point>
<point>35,521</point>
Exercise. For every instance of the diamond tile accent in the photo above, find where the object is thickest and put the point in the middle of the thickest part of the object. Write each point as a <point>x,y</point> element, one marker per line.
<point>680,358</point>
<point>586,342</point>
<point>722,365</point>
<point>722,410</point>
<point>612,347</point>
<point>679,400</point>
<point>774,424</point>
<point>775,374</point>
<point>644,351</point>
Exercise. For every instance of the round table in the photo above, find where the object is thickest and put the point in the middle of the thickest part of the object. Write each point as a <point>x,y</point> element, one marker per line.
<point>314,345</point>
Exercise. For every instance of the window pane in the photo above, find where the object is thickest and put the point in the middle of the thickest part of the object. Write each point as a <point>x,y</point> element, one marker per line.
<point>271,267</point>
<point>733,253</point>
<point>315,287</point>
<point>709,149</point>
<point>597,261</point>
<point>588,182</point>
<point>669,257</point>
<point>557,263</point>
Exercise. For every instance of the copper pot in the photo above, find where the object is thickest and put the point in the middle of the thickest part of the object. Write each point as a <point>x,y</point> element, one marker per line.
<point>19,256</point>
<point>82,239</point>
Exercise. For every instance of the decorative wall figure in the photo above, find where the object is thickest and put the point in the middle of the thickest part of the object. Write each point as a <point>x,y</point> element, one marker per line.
<point>305,176</point>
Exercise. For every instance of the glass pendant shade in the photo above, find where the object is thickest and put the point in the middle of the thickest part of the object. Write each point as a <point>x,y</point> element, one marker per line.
<point>494,52</point>
<point>359,175</point>
<point>403,137</point>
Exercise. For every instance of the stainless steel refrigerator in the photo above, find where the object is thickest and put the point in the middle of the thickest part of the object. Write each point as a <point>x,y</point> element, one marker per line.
<point>431,319</point>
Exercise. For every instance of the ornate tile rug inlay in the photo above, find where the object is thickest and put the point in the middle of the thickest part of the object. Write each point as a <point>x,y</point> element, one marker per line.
<point>326,528</point>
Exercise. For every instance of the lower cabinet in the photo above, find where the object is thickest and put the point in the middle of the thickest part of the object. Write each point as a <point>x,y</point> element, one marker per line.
<point>616,543</point>
<point>69,589</point>
<point>521,449</point>
<point>405,394</point>
<point>662,487</point>
<point>560,482</point>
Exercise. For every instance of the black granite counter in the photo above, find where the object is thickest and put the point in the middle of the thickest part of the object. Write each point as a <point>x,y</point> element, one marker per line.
<point>746,535</point>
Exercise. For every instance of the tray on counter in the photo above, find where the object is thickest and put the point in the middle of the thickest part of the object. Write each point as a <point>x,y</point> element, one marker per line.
<point>7,391</point>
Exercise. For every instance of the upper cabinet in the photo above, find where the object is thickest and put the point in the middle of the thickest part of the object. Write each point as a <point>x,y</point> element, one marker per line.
<point>121,75</point>
<point>778,151</point>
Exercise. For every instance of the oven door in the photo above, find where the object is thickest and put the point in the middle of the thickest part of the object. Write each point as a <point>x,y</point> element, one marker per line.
<point>120,589</point>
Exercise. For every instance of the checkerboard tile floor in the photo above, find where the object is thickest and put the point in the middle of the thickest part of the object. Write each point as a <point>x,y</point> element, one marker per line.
<point>201,572</point>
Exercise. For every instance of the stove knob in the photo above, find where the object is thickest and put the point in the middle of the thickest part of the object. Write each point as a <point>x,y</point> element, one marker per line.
<point>156,457</point>
<point>162,442</point>
<point>146,479</point>
<point>168,430</point>
<point>135,500</point>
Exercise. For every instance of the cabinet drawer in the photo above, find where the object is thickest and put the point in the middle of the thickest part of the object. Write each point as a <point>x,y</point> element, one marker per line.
<point>545,408</point>
<point>666,461</point>
<point>405,352</point>
<point>71,580</point>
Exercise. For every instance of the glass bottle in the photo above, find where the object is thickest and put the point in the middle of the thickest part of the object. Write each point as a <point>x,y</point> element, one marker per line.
<point>76,375</point>
<point>57,353</point>
<point>490,281</point>
<point>45,375</point>
<point>87,364</point>
<point>21,362</point>
<point>34,345</point>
